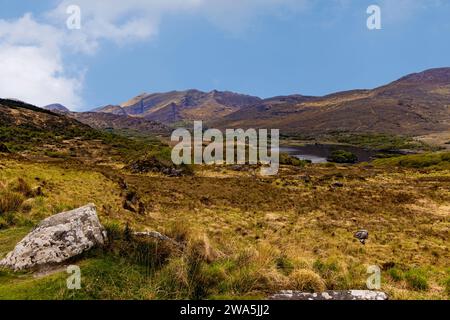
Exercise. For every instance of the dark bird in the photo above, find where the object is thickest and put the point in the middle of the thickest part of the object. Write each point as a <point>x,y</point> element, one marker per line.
<point>362,236</point>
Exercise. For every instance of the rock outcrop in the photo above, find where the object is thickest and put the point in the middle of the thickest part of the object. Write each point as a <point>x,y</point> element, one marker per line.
<point>331,295</point>
<point>57,239</point>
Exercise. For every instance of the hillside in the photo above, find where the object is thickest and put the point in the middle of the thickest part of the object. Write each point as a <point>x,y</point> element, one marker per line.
<point>18,115</point>
<point>39,135</point>
<point>417,104</point>
<point>110,121</point>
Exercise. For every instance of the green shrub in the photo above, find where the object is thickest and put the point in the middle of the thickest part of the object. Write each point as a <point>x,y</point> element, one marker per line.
<point>342,156</point>
<point>332,273</point>
<point>284,265</point>
<point>396,274</point>
<point>286,159</point>
<point>447,286</point>
<point>158,160</point>
<point>416,279</point>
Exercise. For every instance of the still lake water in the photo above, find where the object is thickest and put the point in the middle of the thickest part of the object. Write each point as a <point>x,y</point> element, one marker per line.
<point>318,153</point>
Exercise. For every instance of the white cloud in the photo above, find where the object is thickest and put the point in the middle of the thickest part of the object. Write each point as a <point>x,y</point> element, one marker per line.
<point>30,74</point>
<point>31,64</point>
<point>32,53</point>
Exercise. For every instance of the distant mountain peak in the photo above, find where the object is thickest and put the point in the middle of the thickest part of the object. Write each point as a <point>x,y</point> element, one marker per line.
<point>171,107</point>
<point>56,107</point>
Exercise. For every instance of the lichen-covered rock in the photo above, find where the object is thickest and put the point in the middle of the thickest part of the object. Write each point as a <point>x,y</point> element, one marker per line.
<point>330,295</point>
<point>57,239</point>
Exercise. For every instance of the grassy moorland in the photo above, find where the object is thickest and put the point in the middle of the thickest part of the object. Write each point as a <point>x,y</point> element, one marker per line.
<point>243,235</point>
<point>240,235</point>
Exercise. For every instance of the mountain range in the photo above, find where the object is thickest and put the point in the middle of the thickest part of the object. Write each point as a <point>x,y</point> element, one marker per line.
<point>417,104</point>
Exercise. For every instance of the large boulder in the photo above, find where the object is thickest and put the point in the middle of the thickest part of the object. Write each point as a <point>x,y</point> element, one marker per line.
<point>56,239</point>
<point>330,295</point>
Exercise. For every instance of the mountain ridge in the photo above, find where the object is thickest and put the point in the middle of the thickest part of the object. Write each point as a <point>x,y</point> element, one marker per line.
<point>415,104</point>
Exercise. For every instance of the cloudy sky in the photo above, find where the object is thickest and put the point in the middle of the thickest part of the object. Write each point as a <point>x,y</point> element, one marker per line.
<point>258,47</point>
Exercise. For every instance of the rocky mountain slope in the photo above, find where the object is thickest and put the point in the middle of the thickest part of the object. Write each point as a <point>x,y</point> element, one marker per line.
<point>178,106</point>
<point>57,108</point>
<point>418,104</point>
<point>117,122</point>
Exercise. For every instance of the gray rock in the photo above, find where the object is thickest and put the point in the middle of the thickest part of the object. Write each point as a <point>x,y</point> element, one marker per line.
<point>56,239</point>
<point>157,236</point>
<point>330,295</point>
<point>362,236</point>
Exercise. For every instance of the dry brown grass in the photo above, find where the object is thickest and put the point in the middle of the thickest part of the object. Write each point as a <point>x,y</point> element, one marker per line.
<point>251,236</point>
<point>10,201</point>
<point>306,281</point>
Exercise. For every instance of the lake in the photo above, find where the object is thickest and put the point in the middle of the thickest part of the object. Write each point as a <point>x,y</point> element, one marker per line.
<point>318,153</point>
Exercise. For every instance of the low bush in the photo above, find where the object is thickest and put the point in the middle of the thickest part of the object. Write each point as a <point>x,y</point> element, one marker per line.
<point>396,274</point>
<point>289,160</point>
<point>158,161</point>
<point>342,156</point>
<point>416,279</point>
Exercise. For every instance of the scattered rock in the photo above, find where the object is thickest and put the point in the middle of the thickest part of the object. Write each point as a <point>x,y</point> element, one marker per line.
<point>331,295</point>
<point>57,239</point>
<point>362,236</point>
<point>157,236</point>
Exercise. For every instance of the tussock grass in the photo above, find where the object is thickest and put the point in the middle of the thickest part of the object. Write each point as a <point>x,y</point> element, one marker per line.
<point>306,281</point>
<point>10,202</point>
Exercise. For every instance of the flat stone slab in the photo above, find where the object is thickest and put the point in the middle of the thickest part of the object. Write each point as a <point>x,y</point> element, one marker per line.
<point>57,239</point>
<point>330,295</point>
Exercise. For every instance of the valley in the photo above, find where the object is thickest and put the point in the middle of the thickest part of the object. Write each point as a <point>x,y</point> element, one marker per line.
<point>292,231</point>
<point>239,234</point>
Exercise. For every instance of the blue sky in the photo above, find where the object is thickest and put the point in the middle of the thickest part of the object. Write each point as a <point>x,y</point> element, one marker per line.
<point>258,47</point>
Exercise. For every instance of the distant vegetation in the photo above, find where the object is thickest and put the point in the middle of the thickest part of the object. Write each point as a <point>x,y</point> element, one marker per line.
<point>342,156</point>
<point>384,143</point>
<point>158,160</point>
<point>418,161</point>
<point>287,159</point>
<point>379,141</point>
